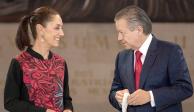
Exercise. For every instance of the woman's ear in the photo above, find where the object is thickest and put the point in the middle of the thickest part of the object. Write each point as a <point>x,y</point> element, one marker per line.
<point>40,32</point>
<point>39,28</point>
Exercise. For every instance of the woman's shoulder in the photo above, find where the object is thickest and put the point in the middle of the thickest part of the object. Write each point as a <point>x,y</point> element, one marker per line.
<point>21,56</point>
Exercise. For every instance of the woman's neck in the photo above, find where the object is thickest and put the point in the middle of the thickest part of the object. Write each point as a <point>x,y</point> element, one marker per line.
<point>41,49</point>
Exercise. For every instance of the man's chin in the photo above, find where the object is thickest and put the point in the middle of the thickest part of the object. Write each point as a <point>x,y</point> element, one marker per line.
<point>127,47</point>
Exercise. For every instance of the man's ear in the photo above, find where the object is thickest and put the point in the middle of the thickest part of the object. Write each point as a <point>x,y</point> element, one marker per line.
<point>140,29</point>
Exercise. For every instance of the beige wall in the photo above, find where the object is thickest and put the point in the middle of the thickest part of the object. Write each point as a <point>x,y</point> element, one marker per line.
<point>90,51</point>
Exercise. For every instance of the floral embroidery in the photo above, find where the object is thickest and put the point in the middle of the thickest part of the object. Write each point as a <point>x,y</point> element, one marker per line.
<point>44,80</point>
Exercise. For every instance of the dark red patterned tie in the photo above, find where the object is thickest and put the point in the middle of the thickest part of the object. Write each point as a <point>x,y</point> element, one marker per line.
<point>138,68</point>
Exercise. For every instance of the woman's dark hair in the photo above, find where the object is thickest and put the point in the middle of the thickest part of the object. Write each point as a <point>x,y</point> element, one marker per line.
<point>39,16</point>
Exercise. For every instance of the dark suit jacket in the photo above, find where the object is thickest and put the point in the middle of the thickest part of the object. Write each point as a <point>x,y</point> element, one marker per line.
<point>164,72</point>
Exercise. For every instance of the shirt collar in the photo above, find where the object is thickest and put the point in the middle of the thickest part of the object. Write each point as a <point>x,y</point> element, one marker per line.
<point>37,55</point>
<point>144,47</point>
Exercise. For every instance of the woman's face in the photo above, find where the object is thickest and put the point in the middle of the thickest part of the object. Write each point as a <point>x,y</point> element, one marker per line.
<point>53,31</point>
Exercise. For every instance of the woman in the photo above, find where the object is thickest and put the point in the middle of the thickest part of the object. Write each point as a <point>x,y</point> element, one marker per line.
<point>37,80</point>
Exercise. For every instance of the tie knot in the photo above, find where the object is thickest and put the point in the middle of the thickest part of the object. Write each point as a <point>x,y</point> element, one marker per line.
<point>138,54</point>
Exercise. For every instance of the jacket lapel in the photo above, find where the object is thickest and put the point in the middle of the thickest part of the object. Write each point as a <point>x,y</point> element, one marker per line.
<point>149,60</point>
<point>129,70</point>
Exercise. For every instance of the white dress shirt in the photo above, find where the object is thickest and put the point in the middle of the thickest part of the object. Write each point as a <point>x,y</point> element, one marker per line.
<point>143,49</point>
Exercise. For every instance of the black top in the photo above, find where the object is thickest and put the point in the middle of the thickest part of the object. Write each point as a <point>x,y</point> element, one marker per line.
<point>16,96</point>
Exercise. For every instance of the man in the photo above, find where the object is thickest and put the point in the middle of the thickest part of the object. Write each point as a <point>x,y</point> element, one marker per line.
<point>152,71</point>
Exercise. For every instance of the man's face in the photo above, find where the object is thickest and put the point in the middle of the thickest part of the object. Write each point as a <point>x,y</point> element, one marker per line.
<point>130,39</point>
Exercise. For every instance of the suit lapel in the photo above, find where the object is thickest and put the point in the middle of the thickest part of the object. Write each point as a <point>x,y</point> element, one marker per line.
<point>149,60</point>
<point>129,68</point>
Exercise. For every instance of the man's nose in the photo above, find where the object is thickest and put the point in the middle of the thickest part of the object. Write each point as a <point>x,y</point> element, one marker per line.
<point>120,37</point>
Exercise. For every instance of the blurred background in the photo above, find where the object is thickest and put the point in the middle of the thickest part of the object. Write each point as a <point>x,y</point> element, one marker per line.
<point>90,43</point>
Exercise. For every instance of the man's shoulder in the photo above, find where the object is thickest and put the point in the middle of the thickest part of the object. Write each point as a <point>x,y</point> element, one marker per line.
<point>166,44</point>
